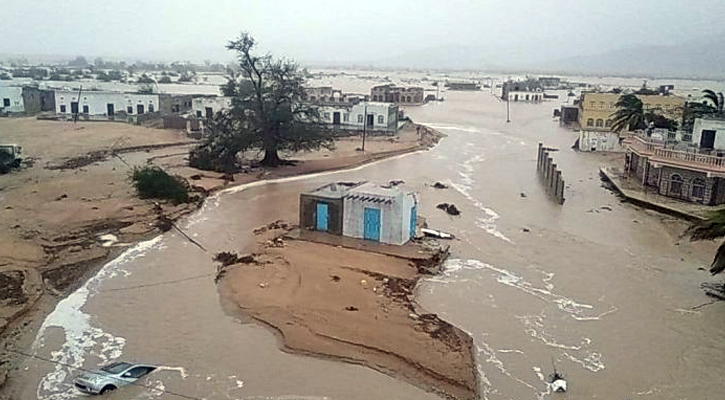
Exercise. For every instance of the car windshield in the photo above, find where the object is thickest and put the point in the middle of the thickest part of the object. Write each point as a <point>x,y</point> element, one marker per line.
<point>116,368</point>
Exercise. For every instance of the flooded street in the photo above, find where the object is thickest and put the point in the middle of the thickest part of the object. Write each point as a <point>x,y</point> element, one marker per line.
<point>601,288</point>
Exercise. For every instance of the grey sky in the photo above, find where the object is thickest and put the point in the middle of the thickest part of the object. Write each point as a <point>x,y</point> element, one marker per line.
<point>347,31</point>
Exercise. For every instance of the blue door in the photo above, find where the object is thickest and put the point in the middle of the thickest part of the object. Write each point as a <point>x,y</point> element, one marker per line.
<point>413,216</point>
<point>322,217</point>
<point>372,224</point>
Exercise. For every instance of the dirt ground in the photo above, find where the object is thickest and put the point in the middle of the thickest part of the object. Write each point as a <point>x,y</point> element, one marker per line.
<point>73,189</point>
<point>352,305</point>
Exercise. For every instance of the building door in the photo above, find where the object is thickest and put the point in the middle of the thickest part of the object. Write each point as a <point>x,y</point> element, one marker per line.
<point>707,141</point>
<point>413,217</point>
<point>370,120</point>
<point>322,217</point>
<point>109,109</point>
<point>139,109</point>
<point>209,112</point>
<point>74,107</point>
<point>336,118</point>
<point>371,224</point>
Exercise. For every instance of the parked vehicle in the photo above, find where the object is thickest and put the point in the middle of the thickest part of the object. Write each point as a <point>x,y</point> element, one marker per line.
<point>111,377</point>
<point>10,157</point>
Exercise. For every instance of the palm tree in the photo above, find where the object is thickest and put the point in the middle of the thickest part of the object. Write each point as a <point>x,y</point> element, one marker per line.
<point>716,99</point>
<point>710,229</point>
<point>629,114</point>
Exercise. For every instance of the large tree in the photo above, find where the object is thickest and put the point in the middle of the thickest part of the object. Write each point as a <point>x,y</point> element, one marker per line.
<point>716,99</point>
<point>710,229</point>
<point>267,111</point>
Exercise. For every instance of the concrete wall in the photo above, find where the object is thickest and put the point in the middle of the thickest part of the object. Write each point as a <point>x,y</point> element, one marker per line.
<point>308,213</point>
<point>394,218</point>
<point>37,100</point>
<point>599,141</point>
<point>352,116</point>
<point>11,99</point>
<point>216,104</point>
<point>175,103</point>
<point>709,124</point>
<point>97,102</point>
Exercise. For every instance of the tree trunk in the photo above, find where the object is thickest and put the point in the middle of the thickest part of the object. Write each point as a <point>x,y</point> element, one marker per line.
<point>271,158</point>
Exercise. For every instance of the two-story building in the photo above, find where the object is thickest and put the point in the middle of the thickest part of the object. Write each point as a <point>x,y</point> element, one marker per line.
<point>596,109</point>
<point>329,95</point>
<point>405,96</point>
<point>692,172</point>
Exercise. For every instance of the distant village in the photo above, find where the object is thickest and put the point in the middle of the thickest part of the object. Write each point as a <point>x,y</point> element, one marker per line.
<point>685,163</point>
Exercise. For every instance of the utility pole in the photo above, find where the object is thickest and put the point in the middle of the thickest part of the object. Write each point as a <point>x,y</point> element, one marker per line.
<point>78,105</point>
<point>365,125</point>
<point>508,119</point>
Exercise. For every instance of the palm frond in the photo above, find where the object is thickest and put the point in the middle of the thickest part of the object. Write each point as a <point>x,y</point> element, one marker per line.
<point>718,264</point>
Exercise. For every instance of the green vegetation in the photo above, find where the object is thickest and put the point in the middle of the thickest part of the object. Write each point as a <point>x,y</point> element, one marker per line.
<point>5,76</point>
<point>165,79</point>
<point>710,229</point>
<point>266,114</point>
<point>152,182</point>
<point>145,79</point>
<point>631,115</point>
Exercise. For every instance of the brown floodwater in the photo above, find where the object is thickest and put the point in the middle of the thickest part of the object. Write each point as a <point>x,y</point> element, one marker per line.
<point>602,289</point>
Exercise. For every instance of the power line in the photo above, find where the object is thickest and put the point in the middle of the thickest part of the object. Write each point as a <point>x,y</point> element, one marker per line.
<point>191,278</point>
<point>93,372</point>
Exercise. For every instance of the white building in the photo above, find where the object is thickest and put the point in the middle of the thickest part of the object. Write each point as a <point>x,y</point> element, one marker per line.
<point>105,104</point>
<point>525,96</point>
<point>383,214</point>
<point>206,107</point>
<point>11,99</point>
<point>709,134</point>
<point>380,116</point>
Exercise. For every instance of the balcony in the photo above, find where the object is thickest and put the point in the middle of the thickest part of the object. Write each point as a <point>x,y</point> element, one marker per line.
<point>689,158</point>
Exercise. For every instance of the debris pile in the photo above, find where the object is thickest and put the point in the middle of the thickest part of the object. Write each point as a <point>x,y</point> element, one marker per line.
<point>451,209</point>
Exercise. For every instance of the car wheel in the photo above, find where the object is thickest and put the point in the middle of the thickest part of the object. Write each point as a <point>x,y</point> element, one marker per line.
<point>107,388</point>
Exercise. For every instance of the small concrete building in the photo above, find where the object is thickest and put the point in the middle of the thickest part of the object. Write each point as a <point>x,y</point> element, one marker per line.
<point>362,210</point>
<point>525,95</point>
<point>399,95</point>
<point>104,105</point>
<point>11,99</point>
<point>207,106</point>
<point>381,117</point>
<point>709,134</point>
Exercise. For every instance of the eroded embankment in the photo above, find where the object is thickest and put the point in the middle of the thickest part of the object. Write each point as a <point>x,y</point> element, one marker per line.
<point>351,305</point>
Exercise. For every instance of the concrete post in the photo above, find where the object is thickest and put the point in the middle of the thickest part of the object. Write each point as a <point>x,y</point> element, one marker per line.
<point>538,157</point>
<point>552,176</point>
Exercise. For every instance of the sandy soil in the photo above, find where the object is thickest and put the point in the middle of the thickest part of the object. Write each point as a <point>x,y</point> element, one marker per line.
<point>74,189</point>
<point>353,305</point>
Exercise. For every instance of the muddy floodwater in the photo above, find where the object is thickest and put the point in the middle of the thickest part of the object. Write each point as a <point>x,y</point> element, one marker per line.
<point>602,289</point>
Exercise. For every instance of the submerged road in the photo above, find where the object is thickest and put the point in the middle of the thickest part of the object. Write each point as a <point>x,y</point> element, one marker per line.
<point>603,289</point>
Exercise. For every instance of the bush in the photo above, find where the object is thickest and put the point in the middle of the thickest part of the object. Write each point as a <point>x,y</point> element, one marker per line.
<point>152,182</point>
<point>165,79</point>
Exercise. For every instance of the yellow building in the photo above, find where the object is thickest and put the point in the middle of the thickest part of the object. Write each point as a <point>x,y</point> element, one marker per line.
<point>596,109</point>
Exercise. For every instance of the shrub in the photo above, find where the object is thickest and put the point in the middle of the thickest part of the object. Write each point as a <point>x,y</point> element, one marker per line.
<point>165,79</point>
<point>152,182</point>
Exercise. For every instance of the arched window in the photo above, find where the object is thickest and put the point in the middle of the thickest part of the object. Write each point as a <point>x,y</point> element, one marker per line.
<point>408,99</point>
<point>590,122</point>
<point>381,119</point>
<point>360,118</point>
<point>608,123</point>
<point>375,97</point>
<point>600,123</point>
<point>675,185</point>
<point>312,99</point>
<point>698,188</point>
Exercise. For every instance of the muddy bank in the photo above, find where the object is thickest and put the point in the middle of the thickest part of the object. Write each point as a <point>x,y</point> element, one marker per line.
<point>57,211</point>
<point>356,306</point>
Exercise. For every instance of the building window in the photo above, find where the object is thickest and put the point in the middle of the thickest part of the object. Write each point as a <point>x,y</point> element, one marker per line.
<point>590,122</point>
<point>675,185</point>
<point>327,116</point>
<point>360,118</point>
<point>312,99</point>
<point>381,119</point>
<point>408,98</point>
<point>129,110</point>
<point>62,108</point>
<point>85,109</point>
<point>608,123</point>
<point>698,188</point>
<point>346,117</point>
<point>600,123</point>
<point>151,108</point>
<point>198,113</point>
<point>601,104</point>
<point>592,104</point>
<point>6,102</point>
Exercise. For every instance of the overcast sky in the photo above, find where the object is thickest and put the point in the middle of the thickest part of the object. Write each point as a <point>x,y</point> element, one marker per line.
<point>346,31</point>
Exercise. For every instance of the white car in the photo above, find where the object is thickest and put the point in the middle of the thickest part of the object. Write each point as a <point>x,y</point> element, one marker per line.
<point>111,377</point>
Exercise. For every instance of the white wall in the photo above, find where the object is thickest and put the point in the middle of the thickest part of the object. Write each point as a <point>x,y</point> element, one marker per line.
<point>599,141</point>
<point>389,120</point>
<point>533,96</point>
<point>15,95</point>
<point>97,102</point>
<point>709,124</point>
<point>215,103</point>
<point>394,218</point>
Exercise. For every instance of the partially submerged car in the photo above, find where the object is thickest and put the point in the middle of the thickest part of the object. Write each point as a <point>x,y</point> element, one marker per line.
<point>111,377</point>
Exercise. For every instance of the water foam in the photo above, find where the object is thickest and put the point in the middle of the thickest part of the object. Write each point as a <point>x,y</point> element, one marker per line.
<point>80,336</point>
